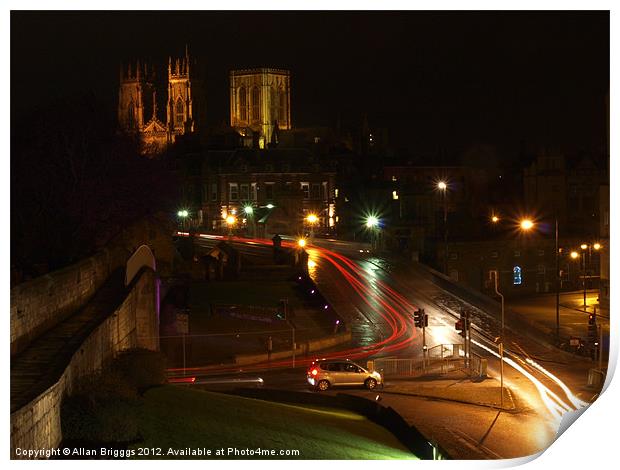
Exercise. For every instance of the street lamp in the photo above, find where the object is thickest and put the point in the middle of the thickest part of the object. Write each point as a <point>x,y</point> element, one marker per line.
<point>312,219</point>
<point>494,219</point>
<point>230,220</point>
<point>182,214</point>
<point>301,242</point>
<point>372,224</point>
<point>249,212</point>
<point>585,246</point>
<point>443,187</point>
<point>526,225</point>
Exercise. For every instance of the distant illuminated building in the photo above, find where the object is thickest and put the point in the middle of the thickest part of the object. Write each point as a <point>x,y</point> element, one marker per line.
<point>139,109</point>
<point>260,104</point>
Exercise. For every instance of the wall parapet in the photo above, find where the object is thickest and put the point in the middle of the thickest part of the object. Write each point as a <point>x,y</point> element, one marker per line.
<point>36,425</point>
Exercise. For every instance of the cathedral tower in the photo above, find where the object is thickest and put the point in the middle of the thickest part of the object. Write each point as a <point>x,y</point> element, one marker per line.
<point>260,101</point>
<point>135,96</point>
<point>185,107</point>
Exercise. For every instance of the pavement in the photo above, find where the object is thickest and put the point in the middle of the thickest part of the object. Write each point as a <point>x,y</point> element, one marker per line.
<point>540,312</point>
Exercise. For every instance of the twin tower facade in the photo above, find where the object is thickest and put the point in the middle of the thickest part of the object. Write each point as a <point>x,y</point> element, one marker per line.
<point>260,105</point>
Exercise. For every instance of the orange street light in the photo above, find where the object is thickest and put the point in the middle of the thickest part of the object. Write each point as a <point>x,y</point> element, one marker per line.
<point>584,246</point>
<point>312,218</point>
<point>526,224</point>
<point>597,246</point>
<point>230,220</point>
<point>442,185</point>
<point>495,219</point>
<point>574,254</point>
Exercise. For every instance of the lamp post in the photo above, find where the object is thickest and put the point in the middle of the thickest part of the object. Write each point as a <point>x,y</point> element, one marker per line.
<point>584,247</point>
<point>586,267</point>
<point>230,221</point>
<point>372,224</point>
<point>312,219</point>
<point>500,346</point>
<point>182,214</point>
<point>574,255</point>
<point>249,212</point>
<point>443,187</point>
<point>526,225</point>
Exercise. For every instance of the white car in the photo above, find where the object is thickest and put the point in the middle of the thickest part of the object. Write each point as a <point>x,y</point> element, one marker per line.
<point>325,373</point>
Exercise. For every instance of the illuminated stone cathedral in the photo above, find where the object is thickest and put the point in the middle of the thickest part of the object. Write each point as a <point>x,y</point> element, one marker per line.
<point>260,104</point>
<point>138,109</point>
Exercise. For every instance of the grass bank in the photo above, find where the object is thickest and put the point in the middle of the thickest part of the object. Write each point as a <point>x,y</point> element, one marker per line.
<point>179,418</point>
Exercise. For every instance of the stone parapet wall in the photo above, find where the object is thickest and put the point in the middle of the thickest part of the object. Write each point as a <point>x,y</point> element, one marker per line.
<point>37,425</point>
<point>40,304</point>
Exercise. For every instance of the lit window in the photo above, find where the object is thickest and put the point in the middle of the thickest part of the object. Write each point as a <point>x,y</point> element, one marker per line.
<point>394,178</point>
<point>305,188</point>
<point>394,195</point>
<point>243,104</point>
<point>495,254</point>
<point>336,192</point>
<point>317,140</point>
<point>282,107</point>
<point>516,276</point>
<point>255,104</point>
<point>131,118</point>
<point>233,191</point>
<point>179,113</point>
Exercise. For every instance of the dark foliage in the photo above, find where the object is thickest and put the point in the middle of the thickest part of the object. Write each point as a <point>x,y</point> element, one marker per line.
<point>141,368</point>
<point>75,182</point>
<point>104,407</point>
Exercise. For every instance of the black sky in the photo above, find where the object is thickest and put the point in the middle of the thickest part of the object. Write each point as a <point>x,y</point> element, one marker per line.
<point>453,79</point>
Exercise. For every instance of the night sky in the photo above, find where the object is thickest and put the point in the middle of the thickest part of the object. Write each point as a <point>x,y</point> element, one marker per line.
<point>433,79</point>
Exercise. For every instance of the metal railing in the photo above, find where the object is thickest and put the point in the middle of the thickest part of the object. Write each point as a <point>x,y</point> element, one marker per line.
<point>440,359</point>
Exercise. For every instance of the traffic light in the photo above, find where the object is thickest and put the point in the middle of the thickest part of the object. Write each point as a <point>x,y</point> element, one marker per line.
<point>418,318</point>
<point>425,319</point>
<point>592,319</point>
<point>282,309</point>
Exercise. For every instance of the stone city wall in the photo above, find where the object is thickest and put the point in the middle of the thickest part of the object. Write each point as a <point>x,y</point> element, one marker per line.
<point>37,425</point>
<point>41,303</point>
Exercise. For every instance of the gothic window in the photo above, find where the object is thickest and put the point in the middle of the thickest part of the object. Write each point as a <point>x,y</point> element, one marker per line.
<point>131,117</point>
<point>255,104</point>
<point>243,105</point>
<point>179,113</point>
<point>274,105</point>
<point>281,106</point>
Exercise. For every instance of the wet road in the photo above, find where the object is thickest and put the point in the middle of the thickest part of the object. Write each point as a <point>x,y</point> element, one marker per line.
<point>376,298</point>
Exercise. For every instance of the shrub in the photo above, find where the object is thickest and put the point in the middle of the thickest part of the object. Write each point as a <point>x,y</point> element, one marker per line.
<point>141,368</point>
